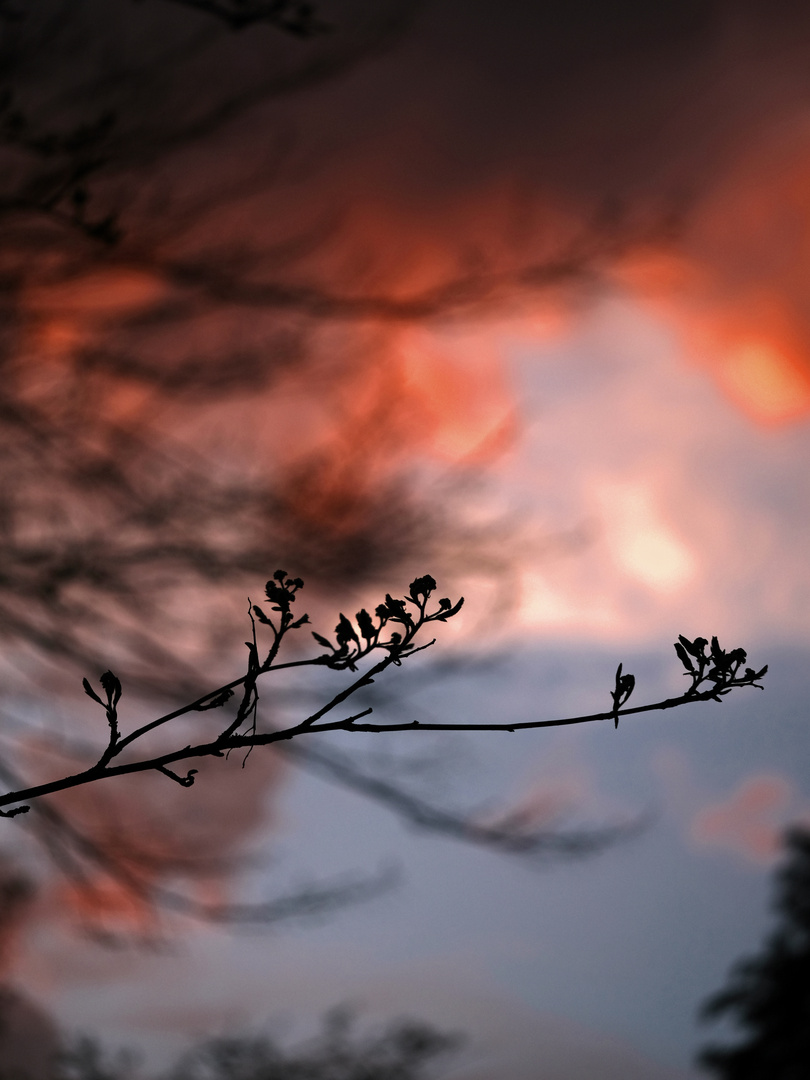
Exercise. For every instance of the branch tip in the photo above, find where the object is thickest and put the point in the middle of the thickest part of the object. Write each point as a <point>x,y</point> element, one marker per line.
<point>183,781</point>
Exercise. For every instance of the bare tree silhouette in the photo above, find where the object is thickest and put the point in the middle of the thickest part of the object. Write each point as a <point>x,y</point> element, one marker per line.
<point>156,270</point>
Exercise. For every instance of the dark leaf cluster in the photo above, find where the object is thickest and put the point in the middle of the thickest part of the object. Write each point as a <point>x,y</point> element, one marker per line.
<point>281,591</point>
<point>713,669</point>
<point>353,646</point>
<point>404,1050</point>
<point>111,685</point>
<point>623,688</point>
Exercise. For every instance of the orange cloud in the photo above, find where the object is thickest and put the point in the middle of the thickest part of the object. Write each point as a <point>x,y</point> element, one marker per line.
<point>736,283</point>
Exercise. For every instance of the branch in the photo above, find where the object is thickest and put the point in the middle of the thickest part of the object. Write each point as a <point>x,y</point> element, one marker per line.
<point>712,672</point>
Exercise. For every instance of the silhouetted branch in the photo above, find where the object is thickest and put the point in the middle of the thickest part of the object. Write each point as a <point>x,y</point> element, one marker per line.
<point>713,674</point>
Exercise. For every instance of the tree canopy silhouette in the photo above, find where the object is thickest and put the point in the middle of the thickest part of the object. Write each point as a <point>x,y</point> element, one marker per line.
<point>768,994</point>
<point>403,1050</point>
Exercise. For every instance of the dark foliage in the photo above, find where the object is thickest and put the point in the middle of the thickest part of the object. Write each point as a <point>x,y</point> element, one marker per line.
<point>405,1050</point>
<point>768,994</point>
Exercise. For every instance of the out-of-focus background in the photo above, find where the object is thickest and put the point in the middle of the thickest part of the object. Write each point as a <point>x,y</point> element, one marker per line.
<point>515,295</point>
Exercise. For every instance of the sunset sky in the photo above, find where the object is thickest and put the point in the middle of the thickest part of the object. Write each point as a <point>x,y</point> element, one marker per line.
<point>546,271</point>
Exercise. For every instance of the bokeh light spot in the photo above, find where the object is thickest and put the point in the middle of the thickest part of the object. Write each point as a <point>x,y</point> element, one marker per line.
<point>764,382</point>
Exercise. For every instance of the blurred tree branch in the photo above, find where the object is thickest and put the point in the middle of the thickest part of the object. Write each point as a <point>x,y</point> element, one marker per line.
<point>106,507</point>
<point>403,1050</point>
<point>127,306</point>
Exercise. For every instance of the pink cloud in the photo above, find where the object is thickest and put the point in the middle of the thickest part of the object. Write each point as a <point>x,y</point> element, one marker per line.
<point>751,819</point>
